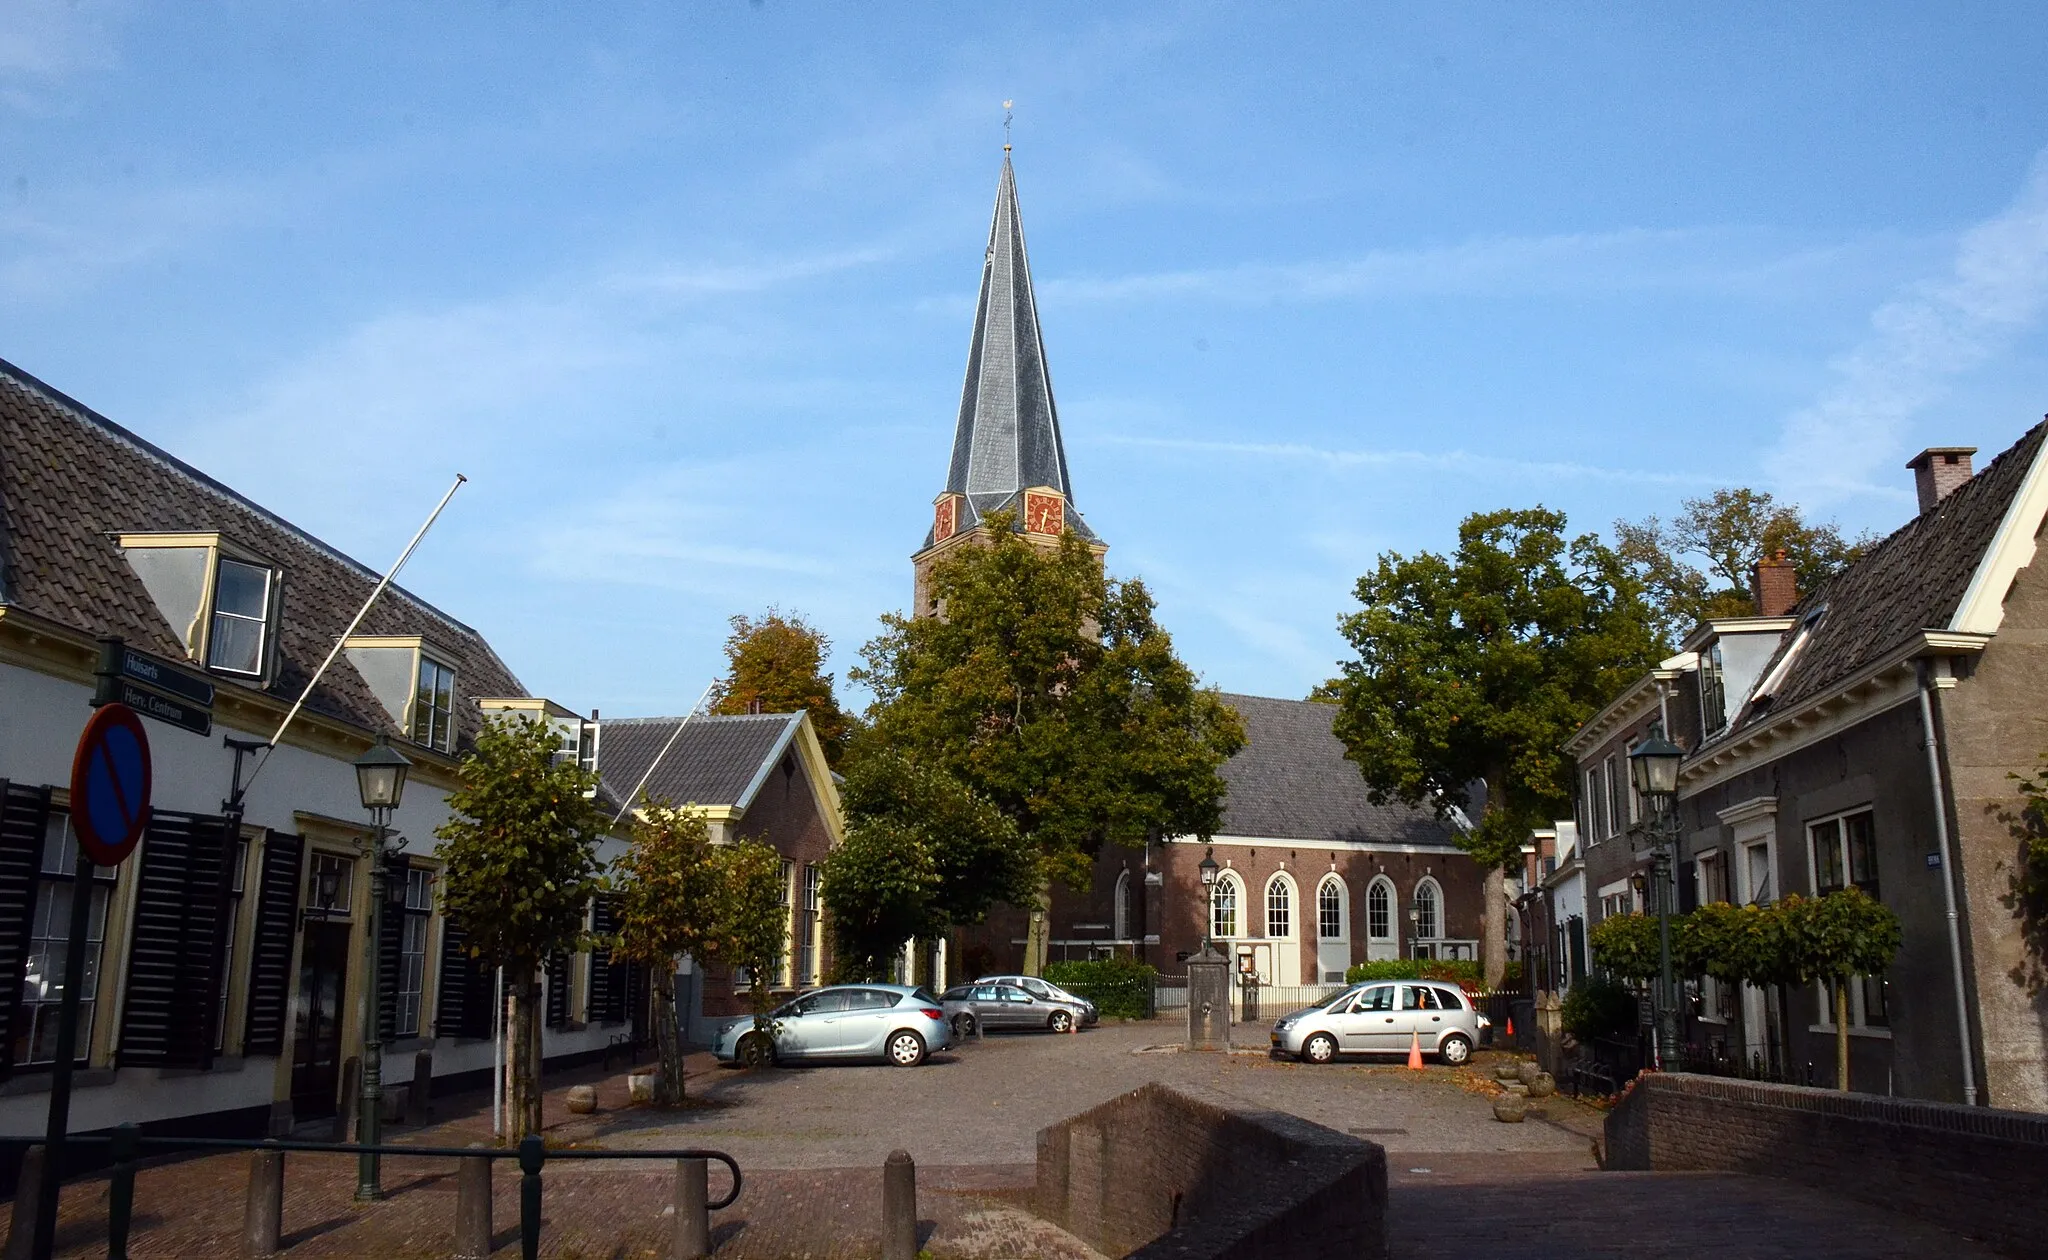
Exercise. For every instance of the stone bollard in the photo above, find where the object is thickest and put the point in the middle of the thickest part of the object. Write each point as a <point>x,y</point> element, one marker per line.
<point>1527,1072</point>
<point>28,1191</point>
<point>581,1099</point>
<point>899,1207</point>
<point>693,1211</point>
<point>263,1218</point>
<point>1543,1086</point>
<point>417,1110</point>
<point>351,1099</point>
<point>473,1206</point>
<point>1510,1110</point>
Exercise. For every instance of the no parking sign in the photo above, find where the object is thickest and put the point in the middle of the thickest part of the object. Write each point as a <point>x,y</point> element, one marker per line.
<point>110,784</point>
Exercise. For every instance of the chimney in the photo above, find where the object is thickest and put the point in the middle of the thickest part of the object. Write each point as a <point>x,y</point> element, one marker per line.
<point>1776,584</point>
<point>1939,470</point>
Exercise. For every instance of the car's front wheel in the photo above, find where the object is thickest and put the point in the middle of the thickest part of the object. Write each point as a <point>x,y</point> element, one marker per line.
<point>1061,1021</point>
<point>756,1051</point>
<point>906,1049</point>
<point>1455,1049</point>
<point>1321,1048</point>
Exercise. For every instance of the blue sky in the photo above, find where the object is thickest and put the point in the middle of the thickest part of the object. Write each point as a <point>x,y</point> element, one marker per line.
<point>685,288</point>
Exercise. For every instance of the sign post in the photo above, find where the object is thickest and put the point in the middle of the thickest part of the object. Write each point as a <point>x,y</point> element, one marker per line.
<point>110,786</point>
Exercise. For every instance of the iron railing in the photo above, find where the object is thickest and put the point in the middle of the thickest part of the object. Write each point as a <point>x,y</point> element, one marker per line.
<point>126,1145</point>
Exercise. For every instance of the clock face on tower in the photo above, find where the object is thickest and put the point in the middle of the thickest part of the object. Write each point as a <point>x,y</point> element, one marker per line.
<point>1044,513</point>
<point>946,519</point>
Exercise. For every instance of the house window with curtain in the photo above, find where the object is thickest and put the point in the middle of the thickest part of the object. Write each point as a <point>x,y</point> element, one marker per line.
<point>1845,856</point>
<point>412,948</point>
<point>241,617</point>
<point>433,705</point>
<point>42,987</point>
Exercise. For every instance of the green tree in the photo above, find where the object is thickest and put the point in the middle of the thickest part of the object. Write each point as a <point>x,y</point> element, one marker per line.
<point>2026,892</point>
<point>752,927</point>
<point>1627,945</point>
<point>670,904</point>
<point>1474,668</point>
<point>1833,939</point>
<point>1726,532</point>
<point>520,845</point>
<point>776,664</point>
<point>879,889</point>
<point>1049,691</point>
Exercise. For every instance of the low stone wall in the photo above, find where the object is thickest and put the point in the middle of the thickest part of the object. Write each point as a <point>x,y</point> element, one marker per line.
<point>1976,1170</point>
<point>1160,1174</point>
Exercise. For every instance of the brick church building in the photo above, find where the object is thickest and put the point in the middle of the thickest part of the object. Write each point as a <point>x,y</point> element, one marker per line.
<point>1311,875</point>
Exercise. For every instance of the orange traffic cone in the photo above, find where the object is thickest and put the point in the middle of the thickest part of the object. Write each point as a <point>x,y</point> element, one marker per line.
<point>1511,1025</point>
<point>1415,1051</point>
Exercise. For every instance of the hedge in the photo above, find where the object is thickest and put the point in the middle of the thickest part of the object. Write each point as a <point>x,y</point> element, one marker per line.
<point>1120,987</point>
<point>1466,975</point>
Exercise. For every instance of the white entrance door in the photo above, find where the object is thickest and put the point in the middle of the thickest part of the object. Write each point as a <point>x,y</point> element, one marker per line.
<point>1333,932</point>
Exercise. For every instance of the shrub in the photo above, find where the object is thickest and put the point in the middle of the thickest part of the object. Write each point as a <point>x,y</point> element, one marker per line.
<point>1627,945</point>
<point>1120,987</point>
<point>1466,975</point>
<point>1598,1007</point>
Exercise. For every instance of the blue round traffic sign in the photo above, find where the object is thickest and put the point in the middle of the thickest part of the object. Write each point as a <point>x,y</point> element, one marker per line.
<point>110,783</point>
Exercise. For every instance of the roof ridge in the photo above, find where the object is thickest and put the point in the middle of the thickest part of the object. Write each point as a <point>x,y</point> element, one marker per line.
<point>703,717</point>
<point>142,446</point>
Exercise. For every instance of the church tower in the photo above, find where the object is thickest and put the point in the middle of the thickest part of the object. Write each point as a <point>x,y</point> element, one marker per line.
<point>1007,452</point>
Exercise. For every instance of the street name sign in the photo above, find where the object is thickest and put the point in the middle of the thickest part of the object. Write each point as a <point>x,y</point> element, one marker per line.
<point>153,687</point>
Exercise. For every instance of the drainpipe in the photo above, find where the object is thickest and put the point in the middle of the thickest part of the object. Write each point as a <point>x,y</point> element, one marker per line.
<point>1948,884</point>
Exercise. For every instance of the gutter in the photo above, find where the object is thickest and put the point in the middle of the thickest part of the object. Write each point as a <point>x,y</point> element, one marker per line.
<point>1928,682</point>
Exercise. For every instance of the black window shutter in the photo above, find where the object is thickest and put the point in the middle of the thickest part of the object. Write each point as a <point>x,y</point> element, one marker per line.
<point>600,960</point>
<point>174,951</point>
<point>558,990</point>
<point>466,988</point>
<point>270,952</point>
<point>390,937</point>
<point>24,814</point>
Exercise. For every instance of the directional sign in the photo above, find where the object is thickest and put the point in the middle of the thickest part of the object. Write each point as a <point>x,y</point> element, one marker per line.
<point>153,687</point>
<point>162,676</point>
<point>166,709</point>
<point>110,783</point>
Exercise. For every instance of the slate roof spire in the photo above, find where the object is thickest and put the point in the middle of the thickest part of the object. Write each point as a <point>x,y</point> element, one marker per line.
<point>1008,434</point>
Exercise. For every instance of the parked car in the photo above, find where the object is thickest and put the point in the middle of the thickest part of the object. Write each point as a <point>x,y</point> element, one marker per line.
<point>1047,991</point>
<point>892,1022</point>
<point>994,1004</point>
<point>1383,1018</point>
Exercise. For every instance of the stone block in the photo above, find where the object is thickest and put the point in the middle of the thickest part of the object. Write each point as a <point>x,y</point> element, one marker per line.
<point>640,1087</point>
<point>581,1099</point>
<point>1510,1110</point>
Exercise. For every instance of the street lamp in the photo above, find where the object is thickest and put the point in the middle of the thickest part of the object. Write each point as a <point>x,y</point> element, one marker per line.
<point>1653,766</point>
<point>1208,868</point>
<point>380,781</point>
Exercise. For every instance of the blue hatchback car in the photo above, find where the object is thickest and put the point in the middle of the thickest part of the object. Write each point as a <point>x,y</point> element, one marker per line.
<point>895,1023</point>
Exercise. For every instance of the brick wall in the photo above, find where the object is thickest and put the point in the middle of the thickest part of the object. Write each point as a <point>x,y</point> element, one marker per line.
<point>1164,1175</point>
<point>1976,1170</point>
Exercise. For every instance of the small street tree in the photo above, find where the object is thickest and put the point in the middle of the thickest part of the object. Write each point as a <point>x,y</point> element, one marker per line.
<point>880,886</point>
<point>669,905</point>
<point>1626,945</point>
<point>1475,668</point>
<point>520,845</point>
<point>1833,939</point>
<point>752,925</point>
<point>776,664</point>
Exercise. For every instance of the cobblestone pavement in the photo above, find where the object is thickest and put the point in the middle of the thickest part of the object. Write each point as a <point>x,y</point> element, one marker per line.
<point>812,1142</point>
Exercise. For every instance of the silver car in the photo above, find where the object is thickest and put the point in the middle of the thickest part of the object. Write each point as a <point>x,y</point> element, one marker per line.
<point>1046,991</point>
<point>1383,1017</point>
<point>990,1005</point>
<point>892,1022</point>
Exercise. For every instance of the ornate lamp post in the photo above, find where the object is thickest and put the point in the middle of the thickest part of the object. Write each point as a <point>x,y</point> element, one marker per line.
<point>1653,765</point>
<point>1208,868</point>
<point>380,780</point>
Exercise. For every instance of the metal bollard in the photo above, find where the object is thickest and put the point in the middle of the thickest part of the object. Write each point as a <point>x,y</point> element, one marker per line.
<point>693,1211</point>
<point>473,1206</point>
<point>28,1191</point>
<point>899,1207</point>
<point>121,1191</point>
<point>416,1094</point>
<point>532,1154</point>
<point>263,1218</point>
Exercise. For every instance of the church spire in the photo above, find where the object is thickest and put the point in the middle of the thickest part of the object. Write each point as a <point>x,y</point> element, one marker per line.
<point>1007,438</point>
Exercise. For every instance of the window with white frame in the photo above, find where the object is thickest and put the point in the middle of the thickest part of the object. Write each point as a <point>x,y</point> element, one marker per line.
<point>1843,850</point>
<point>807,933</point>
<point>42,984</point>
<point>1428,910</point>
<point>1379,910</point>
<point>1330,910</point>
<point>1120,909</point>
<point>1713,692</point>
<point>433,705</point>
<point>241,617</point>
<point>412,948</point>
<point>1596,807</point>
<point>1223,899</point>
<point>788,962</point>
<point>1279,907</point>
<point>1617,797</point>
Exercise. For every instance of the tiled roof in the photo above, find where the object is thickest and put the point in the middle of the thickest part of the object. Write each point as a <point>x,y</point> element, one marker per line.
<point>1292,781</point>
<point>1911,581</point>
<point>70,479</point>
<point>713,762</point>
<point>1007,437</point>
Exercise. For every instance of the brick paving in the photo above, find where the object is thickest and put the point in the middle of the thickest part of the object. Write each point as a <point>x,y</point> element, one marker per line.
<point>811,1142</point>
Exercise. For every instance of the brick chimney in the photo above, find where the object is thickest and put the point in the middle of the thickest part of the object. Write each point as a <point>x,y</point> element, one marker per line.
<point>1938,470</point>
<point>1776,584</point>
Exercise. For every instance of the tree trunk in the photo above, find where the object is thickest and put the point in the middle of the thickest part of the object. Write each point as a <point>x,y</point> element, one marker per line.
<point>1842,1035</point>
<point>668,1041</point>
<point>1493,918</point>
<point>522,1053</point>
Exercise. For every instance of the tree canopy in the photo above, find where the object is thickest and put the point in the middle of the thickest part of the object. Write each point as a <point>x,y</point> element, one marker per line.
<point>1049,691</point>
<point>776,664</point>
<point>1475,668</point>
<point>1726,532</point>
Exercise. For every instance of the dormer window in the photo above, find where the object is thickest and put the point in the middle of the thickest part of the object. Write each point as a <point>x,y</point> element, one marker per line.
<point>433,705</point>
<point>241,618</point>
<point>1713,692</point>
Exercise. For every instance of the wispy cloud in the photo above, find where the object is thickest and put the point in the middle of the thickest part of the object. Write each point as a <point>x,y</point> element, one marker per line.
<point>1446,461</point>
<point>1634,259</point>
<point>1920,340</point>
<point>43,43</point>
